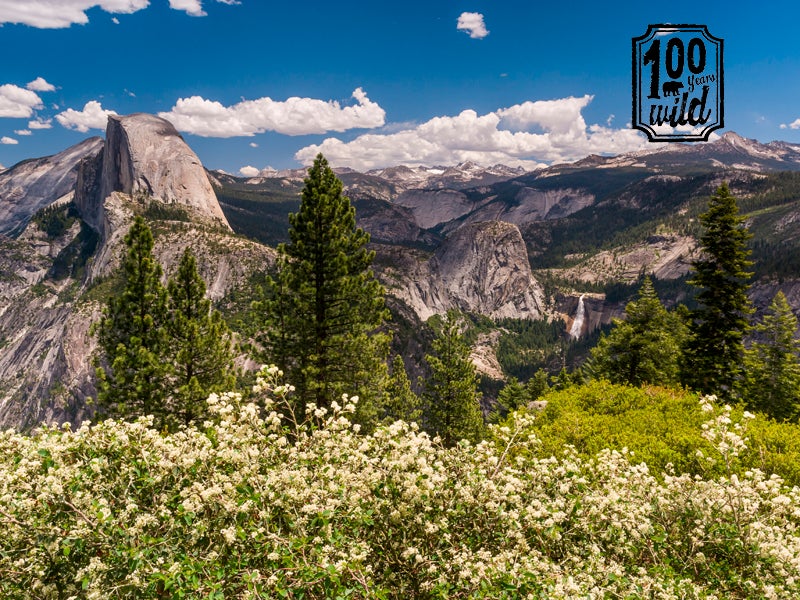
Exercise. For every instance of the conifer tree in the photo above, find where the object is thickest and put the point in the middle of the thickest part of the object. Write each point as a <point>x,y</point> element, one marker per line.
<point>537,386</point>
<point>202,349</point>
<point>326,305</point>
<point>714,350</point>
<point>451,396</point>
<point>133,335</point>
<point>643,348</point>
<point>401,401</point>
<point>772,364</point>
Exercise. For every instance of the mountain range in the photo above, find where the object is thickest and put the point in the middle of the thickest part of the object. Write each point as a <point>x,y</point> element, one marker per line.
<point>498,243</point>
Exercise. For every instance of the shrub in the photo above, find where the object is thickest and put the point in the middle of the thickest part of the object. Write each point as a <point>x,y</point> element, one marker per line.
<point>252,505</point>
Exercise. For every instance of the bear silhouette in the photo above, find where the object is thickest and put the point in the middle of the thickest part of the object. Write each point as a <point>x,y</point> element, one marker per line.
<point>670,88</point>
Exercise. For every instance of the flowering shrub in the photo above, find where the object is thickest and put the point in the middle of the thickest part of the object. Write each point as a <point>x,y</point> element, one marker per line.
<point>248,506</point>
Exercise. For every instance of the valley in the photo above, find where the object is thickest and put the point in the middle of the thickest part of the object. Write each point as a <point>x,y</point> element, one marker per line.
<point>499,245</point>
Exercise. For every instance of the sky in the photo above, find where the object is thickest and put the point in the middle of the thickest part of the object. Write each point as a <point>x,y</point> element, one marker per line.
<point>253,84</point>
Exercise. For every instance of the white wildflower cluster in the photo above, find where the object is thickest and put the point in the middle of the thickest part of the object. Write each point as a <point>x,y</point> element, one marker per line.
<point>727,436</point>
<point>249,507</point>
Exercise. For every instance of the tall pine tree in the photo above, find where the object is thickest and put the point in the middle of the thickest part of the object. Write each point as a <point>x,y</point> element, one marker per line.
<point>133,335</point>
<point>202,346</point>
<point>326,305</point>
<point>644,348</point>
<point>772,364</point>
<point>451,397</point>
<point>714,350</point>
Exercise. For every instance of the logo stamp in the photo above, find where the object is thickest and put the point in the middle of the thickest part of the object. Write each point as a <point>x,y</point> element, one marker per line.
<point>678,84</point>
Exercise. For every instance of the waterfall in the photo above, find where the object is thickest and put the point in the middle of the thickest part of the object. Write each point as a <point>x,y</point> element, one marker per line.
<point>577,324</point>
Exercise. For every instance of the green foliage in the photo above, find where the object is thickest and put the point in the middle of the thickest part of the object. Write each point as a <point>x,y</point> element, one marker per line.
<point>165,350</point>
<point>132,333</point>
<point>771,382</point>
<point>526,345</point>
<point>714,350</point>
<point>451,398</point>
<point>662,427</point>
<point>401,402</point>
<point>659,426</point>
<point>201,344</point>
<point>324,307</point>
<point>642,349</point>
<point>515,394</point>
<point>54,220</point>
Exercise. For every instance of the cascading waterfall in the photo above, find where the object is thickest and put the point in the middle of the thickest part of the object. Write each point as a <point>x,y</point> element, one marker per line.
<point>577,324</point>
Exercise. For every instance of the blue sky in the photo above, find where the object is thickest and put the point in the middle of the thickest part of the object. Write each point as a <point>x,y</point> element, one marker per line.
<point>253,84</point>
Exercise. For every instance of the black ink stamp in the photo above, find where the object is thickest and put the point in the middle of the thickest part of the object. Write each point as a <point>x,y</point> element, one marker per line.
<point>678,84</point>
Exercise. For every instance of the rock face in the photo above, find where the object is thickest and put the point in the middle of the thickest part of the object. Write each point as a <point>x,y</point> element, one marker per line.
<point>146,158</point>
<point>33,184</point>
<point>51,281</point>
<point>481,268</point>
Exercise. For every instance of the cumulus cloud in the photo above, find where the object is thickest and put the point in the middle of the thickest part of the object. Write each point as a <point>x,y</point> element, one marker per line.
<point>249,171</point>
<point>55,14</point>
<point>294,116</point>
<point>23,132</point>
<point>40,85</point>
<point>501,136</point>
<point>192,7</point>
<point>40,124</point>
<point>93,116</point>
<point>253,145</point>
<point>473,24</point>
<point>793,125</point>
<point>7,140</point>
<point>17,102</point>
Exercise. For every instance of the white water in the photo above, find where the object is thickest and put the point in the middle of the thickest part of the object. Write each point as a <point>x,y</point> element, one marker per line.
<point>577,324</point>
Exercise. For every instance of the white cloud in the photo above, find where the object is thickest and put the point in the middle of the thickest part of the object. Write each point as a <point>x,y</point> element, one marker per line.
<point>23,132</point>
<point>253,145</point>
<point>40,124</point>
<point>293,116</point>
<point>473,24</point>
<point>40,85</point>
<point>249,171</point>
<point>115,20</point>
<point>16,102</point>
<point>55,14</point>
<point>93,116</point>
<point>7,140</point>
<point>192,7</point>
<point>501,136</point>
<point>793,125</point>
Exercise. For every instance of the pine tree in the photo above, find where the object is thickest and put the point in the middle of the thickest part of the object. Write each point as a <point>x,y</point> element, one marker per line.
<point>202,348</point>
<point>401,401</point>
<point>133,335</point>
<point>326,305</point>
<point>451,397</point>
<point>714,350</point>
<point>643,348</point>
<point>537,386</point>
<point>772,364</point>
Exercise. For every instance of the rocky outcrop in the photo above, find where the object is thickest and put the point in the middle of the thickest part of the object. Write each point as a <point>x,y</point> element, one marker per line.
<point>529,204</point>
<point>666,256</point>
<point>145,158</point>
<point>33,184</point>
<point>482,268</point>
<point>433,207</point>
